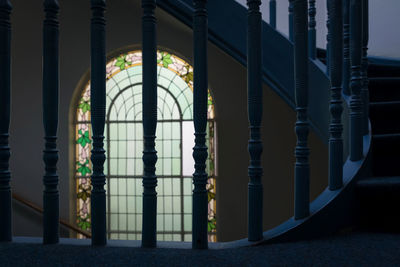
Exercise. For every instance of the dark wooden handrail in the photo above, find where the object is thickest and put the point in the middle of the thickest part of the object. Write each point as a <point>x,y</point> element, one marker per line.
<point>40,210</point>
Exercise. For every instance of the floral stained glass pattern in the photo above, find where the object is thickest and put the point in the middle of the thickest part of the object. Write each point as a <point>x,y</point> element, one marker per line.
<point>124,145</point>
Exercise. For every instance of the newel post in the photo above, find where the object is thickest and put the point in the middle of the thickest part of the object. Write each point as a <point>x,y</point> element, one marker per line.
<point>98,110</point>
<point>356,102</point>
<point>255,110</point>
<point>302,168</point>
<point>50,121</point>
<point>200,204</point>
<point>336,107</point>
<point>149,100</point>
<point>5,99</point>
<point>365,81</point>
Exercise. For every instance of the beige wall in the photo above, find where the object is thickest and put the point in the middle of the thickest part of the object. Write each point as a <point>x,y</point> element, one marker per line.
<point>227,79</point>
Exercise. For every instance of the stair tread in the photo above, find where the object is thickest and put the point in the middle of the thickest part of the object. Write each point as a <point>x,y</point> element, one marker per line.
<point>380,182</point>
<point>386,136</point>
<point>383,103</point>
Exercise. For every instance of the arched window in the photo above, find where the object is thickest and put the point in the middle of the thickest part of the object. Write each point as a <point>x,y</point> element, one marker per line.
<point>124,147</point>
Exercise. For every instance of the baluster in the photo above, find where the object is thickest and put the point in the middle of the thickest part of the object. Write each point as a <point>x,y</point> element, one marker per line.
<point>291,20</point>
<point>312,33</point>
<point>5,95</point>
<point>254,89</point>
<point>272,13</point>
<point>346,47</point>
<point>302,169</point>
<point>356,104</point>
<point>149,100</point>
<point>98,108</point>
<point>327,38</point>
<point>336,108</point>
<point>200,201</point>
<point>50,121</point>
<point>365,81</point>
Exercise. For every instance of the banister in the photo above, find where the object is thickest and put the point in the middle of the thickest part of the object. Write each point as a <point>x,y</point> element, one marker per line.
<point>40,210</point>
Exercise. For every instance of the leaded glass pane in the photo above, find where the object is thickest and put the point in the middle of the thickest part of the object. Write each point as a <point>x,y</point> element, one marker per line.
<point>124,147</point>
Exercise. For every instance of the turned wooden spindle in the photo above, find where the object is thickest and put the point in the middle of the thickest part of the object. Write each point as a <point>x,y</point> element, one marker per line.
<point>51,215</point>
<point>98,110</point>
<point>149,105</point>
<point>255,109</point>
<point>5,99</point>
<point>302,168</point>
<point>336,107</point>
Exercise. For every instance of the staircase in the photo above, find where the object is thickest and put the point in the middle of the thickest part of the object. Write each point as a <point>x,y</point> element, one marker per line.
<point>379,194</point>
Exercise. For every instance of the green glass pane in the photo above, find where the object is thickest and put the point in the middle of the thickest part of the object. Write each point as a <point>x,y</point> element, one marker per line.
<point>122,222</point>
<point>132,237</point>
<point>139,204</point>
<point>123,236</point>
<point>113,166</point>
<point>187,222</point>
<point>160,204</point>
<point>122,186</point>
<point>176,166</point>
<point>122,131</point>
<point>187,186</point>
<point>167,131</point>
<point>168,204</point>
<point>187,204</point>
<point>167,148</point>
<point>176,130</point>
<point>139,224</point>
<point>114,236</point>
<point>131,204</point>
<point>113,204</point>
<point>113,186</point>
<point>177,223</point>
<point>131,224</point>
<point>168,223</point>
<point>160,223</point>
<point>176,185</point>
<point>167,164</point>
<point>139,167</point>
<point>113,222</point>
<point>130,167</point>
<point>113,131</point>
<point>176,204</point>
<point>122,204</point>
<point>177,238</point>
<point>113,149</point>
<point>139,187</point>
<point>188,238</point>
<point>167,182</point>
<point>130,186</point>
<point>122,166</point>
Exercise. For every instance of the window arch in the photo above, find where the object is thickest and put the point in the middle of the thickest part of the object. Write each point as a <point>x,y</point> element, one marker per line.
<point>124,146</point>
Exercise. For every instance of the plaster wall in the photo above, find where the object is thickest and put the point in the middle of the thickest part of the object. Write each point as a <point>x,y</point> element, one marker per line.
<point>227,80</point>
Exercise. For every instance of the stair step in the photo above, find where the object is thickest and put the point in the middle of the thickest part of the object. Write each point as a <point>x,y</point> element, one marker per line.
<point>383,184</point>
<point>385,117</point>
<point>383,71</point>
<point>384,89</point>
<point>379,199</point>
<point>386,154</point>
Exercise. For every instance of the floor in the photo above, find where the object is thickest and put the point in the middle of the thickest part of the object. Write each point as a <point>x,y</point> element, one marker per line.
<point>352,249</point>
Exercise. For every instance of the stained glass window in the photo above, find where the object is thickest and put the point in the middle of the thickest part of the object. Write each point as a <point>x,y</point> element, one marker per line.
<point>124,147</point>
